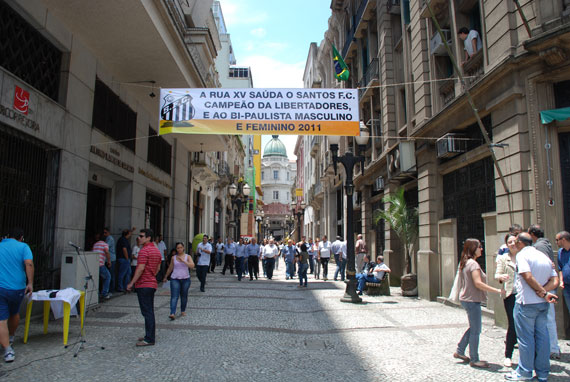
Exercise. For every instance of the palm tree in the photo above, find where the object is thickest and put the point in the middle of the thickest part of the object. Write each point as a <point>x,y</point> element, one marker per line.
<point>402,219</point>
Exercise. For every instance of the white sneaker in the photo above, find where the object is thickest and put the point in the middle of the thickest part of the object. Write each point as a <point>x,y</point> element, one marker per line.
<point>9,355</point>
<point>508,362</point>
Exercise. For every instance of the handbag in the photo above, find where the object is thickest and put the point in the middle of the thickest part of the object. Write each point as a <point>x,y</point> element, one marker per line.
<point>456,289</point>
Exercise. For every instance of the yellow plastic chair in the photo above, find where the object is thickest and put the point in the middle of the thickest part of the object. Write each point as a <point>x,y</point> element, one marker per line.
<point>66,314</point>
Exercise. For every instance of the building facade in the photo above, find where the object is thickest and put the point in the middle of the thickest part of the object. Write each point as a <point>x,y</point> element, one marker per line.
<point>428,137</point>
<point>79,118</point>
<point>277,177</point>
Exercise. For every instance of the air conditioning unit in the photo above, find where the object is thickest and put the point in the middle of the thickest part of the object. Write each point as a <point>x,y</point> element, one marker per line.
<point>437,47</point>
<point>379,184</point>
<point>450,145</point>
<point>401,160</point>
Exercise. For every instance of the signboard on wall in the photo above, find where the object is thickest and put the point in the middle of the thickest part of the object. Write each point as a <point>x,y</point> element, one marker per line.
<point>259,111</point>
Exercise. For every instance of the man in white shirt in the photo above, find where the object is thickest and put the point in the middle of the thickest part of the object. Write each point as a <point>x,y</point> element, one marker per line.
<point>270,253</point>
<point>324,256</point>
<point>535,278</point>
<point>204,251</point>
<point>219,252</point>
<point>471,41</point>
<point>374,275</point>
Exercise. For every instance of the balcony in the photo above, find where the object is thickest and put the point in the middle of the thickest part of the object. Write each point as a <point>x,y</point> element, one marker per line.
<point>223,172</point>
<point>203,170</point>
<point>364,12</point>
<point>369,80</point>
<point>474,68</point>
<point>314,145</point>
<point>447,91</point>
<point>393,7</point>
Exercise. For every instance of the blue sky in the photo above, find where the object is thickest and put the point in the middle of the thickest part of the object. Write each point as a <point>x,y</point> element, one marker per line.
<point>273,37</point>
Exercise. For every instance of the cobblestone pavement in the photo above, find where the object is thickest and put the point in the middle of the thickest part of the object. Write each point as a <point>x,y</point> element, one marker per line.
<point>262,329</point>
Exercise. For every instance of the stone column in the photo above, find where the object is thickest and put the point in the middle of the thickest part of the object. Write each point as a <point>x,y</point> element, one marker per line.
<point>429,206</point>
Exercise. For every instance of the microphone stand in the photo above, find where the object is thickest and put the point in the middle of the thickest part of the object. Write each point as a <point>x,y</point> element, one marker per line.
<point>89,277</point>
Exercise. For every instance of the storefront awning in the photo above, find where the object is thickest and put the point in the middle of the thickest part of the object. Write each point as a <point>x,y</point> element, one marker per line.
<point>548,116</point>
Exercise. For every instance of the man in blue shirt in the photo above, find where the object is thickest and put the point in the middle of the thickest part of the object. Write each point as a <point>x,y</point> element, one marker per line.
<point>230,252</point>
<point>252,251</point>
<point>289,251</point>
<point>563,242</point>
<point>336,249</point>
<point>16,265</point>
<point>112,251</point>
<point>240,257</point>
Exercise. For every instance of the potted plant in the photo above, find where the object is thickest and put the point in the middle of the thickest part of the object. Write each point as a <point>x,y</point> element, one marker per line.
<point>403,220</point>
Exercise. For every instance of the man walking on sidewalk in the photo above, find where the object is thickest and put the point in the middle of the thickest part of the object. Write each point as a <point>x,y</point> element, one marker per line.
<point>252,251</point>
<point>144,280</point>
<point>230,252</point>
<point>17,264</point>
<point>535,278</point>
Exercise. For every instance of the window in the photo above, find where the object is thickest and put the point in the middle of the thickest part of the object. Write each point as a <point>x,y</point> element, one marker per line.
<point>262,175</point>
<point>275,195</point>
<point>276,174</point>
<point>287,175</point>
<point>239,72</point>
<point>114,117</point>
<point>27,54</point>
<point>159,151</point>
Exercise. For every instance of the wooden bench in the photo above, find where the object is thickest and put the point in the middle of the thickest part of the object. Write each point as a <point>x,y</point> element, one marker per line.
<point>379,289</point>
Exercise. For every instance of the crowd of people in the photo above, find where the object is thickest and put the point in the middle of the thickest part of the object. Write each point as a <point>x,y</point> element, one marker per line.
<point>528,278</point>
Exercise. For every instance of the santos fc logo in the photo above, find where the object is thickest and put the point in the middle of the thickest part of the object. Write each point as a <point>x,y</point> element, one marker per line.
<point>177,110</point>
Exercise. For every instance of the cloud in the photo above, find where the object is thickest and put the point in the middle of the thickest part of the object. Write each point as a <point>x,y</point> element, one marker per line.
<point>258,32</point>
<point>238,12</point>
<point>268,72</point>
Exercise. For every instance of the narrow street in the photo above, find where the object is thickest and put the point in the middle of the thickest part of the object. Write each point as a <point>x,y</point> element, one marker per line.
<point>261,330</point>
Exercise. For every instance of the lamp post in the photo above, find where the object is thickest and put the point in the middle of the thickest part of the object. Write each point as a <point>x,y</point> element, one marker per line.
<point>267,227</point>
<point>348,160</point>
<point>244,189</point>
<point>258,220</point>
<point>299,213</point>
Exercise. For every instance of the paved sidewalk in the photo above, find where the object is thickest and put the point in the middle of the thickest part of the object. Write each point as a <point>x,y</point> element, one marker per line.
<point>259,330</point>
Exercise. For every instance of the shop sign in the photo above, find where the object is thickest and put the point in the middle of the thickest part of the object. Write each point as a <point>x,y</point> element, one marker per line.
<point>110,158</point>
<point>21,100</point>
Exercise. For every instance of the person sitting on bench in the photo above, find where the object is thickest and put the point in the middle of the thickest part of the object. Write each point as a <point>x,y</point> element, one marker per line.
<point>374,275</point>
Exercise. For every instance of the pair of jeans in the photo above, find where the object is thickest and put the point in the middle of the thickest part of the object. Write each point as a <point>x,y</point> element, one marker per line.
<point>509,303</point>
<point>201,273</point>
<point>340,266</point>
<point>264,266</point>
<point>253,265</point>
<point>146,304</point>
<point>303,273</point>
<point>325,264</point>
<point>312,263</point>
<point>471,335</point>
<point>317,268</point>
<point>228,263</point>
<point>566,293</point>
<point>239,267</point>
<point>212,263</point>
<point>219,257</point>
<point>104,275</point>
<point>113,273</point>
<point>289,268</point>
<point>552,331</point>
<point>124,274</point>
<point>269,265</point>
<point>363,278</point>
<point>534,343</point>
<point>179,288</point>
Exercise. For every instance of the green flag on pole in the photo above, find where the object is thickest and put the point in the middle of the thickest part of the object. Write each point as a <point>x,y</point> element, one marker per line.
<point>340,68</point>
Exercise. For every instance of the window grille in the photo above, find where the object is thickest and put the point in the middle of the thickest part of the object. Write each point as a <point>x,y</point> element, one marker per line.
<point>114,117</point>
<point>159,151</point>
<point>27,54</point>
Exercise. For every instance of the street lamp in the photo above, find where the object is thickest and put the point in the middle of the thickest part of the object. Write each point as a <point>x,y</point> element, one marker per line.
<point>299,213</point>
<point>348,160</point>
<point>237,200</point>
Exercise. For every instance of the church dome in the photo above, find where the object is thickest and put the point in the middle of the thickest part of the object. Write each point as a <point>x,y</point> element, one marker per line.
<point>275,148</point>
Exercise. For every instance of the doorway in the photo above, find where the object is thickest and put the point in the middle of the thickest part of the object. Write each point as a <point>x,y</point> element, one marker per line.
<point>96,212</point>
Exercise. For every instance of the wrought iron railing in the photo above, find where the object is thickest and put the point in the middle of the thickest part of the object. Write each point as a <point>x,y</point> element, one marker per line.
<point>356,20</point>
<point>370,75</point>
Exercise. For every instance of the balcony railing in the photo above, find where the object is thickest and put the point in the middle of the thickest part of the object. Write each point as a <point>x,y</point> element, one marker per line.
<point>369,76</point>
<point>350,33</point>
<point>447,91</point>
<point>474,68</point>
